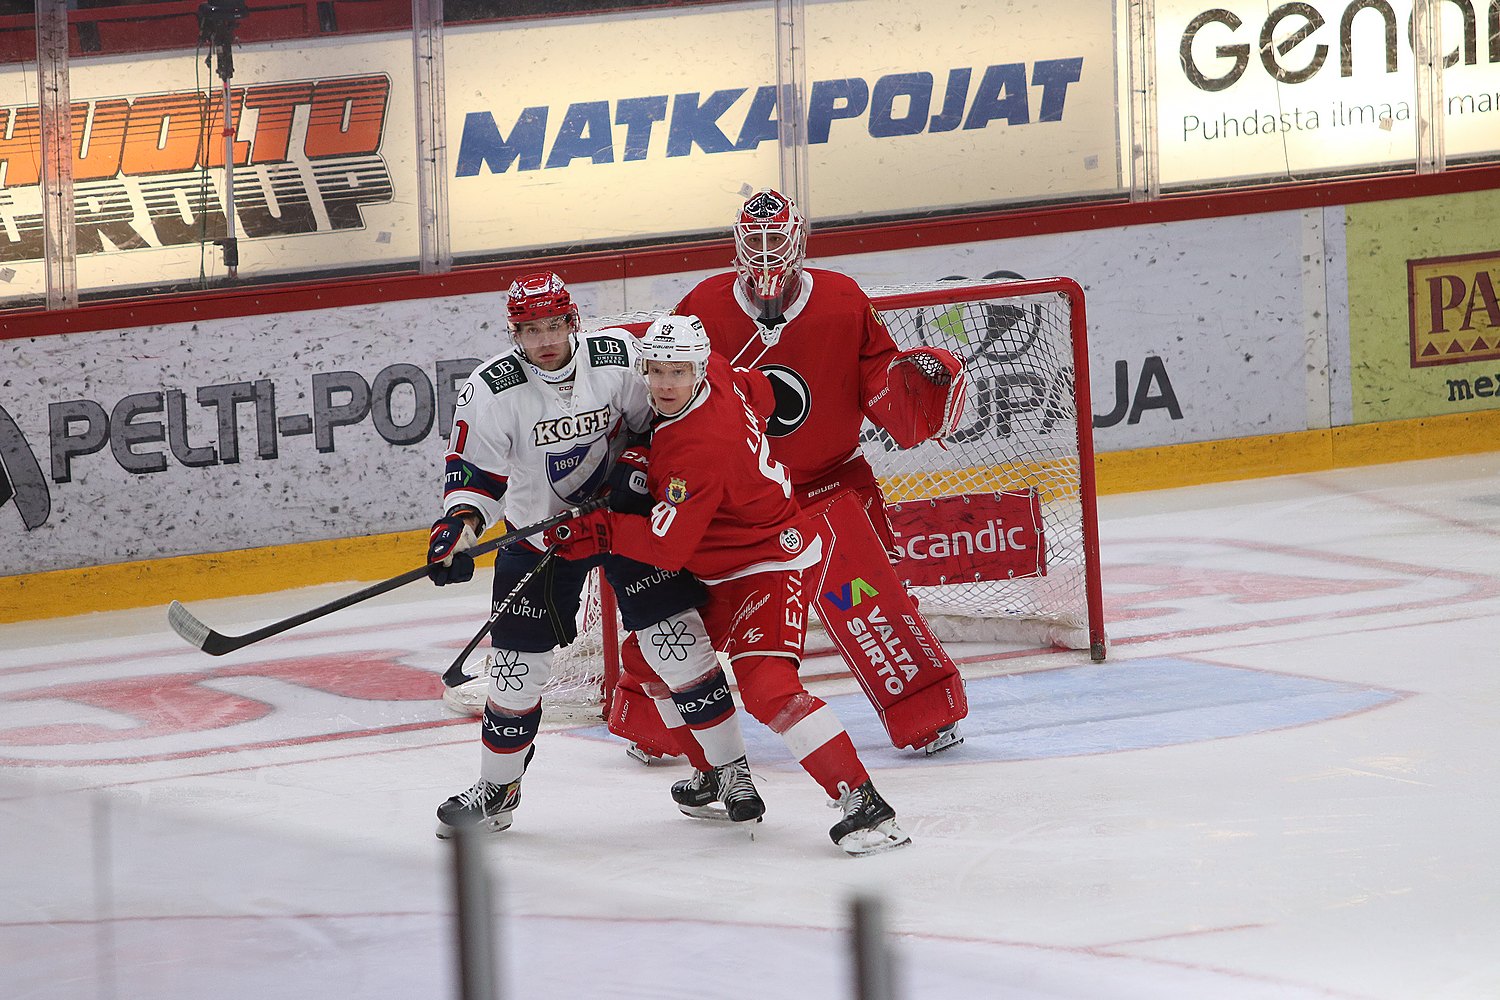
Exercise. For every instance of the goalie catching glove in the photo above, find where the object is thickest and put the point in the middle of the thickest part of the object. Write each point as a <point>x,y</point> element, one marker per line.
<point>447,562</point>
<point>581,538</point>
<point>934,381</point>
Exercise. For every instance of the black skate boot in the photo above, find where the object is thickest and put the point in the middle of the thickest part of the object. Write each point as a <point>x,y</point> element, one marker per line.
<point>698,796</point>
<point>741,801</point>
<point>486,806</point>
<point>726,794</point>
<point>869,823</point>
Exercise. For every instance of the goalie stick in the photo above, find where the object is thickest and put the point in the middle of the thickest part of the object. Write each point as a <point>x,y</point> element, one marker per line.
<point>454,675</point>
<point>215,643</point>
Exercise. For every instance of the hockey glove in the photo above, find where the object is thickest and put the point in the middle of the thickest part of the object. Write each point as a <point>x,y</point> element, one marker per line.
<point>627,482</point>
<point>581,538</point>
<point>935,379</point>
<point>446,560</point>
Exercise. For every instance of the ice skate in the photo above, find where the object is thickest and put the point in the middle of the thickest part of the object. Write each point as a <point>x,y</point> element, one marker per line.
<point>641,755</point>
<point>726,794</point>
<point>737,792</point>
<point>869,823</point>
<point>468,697</point>
<point>486,806</point>
<point>947,738</point>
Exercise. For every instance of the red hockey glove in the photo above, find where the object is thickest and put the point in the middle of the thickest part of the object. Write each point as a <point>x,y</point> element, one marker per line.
<point>935,382</point>
<point>627,482</point>
<point>446,560</point>
<point>581,538</point>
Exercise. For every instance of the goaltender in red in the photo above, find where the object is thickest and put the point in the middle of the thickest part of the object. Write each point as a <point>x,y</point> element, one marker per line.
<point>725,511</point>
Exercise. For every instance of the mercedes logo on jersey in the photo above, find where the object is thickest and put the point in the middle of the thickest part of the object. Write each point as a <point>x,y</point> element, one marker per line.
<point>793,400</point>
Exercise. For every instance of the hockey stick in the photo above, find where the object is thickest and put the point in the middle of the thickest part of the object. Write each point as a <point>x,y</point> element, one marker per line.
<point>217,643</point>
<point>454,675</point>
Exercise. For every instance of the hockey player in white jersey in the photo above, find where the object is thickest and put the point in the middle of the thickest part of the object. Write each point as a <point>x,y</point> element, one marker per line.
<point>538,429</point>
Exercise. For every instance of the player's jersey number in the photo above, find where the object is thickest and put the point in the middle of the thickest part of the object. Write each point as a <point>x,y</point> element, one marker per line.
<point>662,516</point>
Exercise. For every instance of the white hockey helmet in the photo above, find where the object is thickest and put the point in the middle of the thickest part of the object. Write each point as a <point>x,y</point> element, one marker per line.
<point>676,339</point>
<point>770,243</point>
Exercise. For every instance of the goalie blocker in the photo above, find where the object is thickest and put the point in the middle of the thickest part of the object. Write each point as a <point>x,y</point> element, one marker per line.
<point>909,678</point>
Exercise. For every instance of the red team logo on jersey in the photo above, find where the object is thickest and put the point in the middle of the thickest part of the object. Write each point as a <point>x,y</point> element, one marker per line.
<point>793,400</point>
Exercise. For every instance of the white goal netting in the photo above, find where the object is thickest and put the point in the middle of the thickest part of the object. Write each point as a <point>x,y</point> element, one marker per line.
<point>1023,348</point>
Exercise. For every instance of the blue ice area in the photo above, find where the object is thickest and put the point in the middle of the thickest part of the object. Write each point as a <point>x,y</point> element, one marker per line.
<point>1104,708</point>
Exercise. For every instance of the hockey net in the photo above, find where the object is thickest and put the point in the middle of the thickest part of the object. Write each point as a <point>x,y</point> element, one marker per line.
<point>1026,435</point>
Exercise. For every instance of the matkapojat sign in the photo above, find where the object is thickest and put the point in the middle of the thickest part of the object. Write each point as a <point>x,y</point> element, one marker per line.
<point>1250,89</point>
<point>959,104</point>
<point>565,132</point>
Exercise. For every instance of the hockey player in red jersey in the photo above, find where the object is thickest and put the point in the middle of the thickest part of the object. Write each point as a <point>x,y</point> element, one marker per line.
<point>724,512</point>
<point>832,363</point>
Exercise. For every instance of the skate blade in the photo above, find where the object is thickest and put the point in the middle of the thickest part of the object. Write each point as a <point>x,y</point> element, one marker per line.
<point>635,753</point>
<point>495,824</point>
<point>468,698</point>
<point>886,836</point>
<point>714,813</point>
<point>947,741</point>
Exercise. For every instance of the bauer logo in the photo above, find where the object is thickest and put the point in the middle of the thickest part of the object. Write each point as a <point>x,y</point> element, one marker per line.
<point>147,169</point>
<point>1454,310</point>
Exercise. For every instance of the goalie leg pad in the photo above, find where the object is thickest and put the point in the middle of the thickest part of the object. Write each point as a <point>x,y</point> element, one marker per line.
<point>903,669</point>
<point>854,476</point>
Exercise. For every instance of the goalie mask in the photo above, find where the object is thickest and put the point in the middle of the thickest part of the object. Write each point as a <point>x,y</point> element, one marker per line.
<point>770,242</point>
<point>542,320</point>
<point>673,359</point>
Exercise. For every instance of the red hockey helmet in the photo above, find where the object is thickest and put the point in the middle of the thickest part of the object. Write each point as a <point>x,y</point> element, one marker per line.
<point>540,295</point>
<point>770,242</point>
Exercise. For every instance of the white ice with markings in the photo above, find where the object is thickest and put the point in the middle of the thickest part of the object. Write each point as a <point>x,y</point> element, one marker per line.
<point>1283,783</point>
